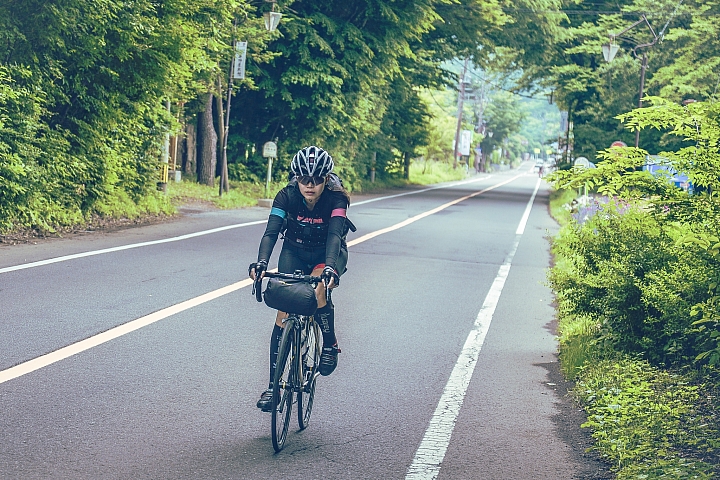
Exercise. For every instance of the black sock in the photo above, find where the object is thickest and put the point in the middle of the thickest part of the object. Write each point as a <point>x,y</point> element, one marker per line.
<point>274,350</point>
<point>326,319</point>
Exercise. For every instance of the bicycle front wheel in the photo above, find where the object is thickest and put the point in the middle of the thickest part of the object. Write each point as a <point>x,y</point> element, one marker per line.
<point>282,389</point>
<point>309,369</point>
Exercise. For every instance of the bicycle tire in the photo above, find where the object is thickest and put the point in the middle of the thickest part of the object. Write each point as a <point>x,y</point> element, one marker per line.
<point>309,374</point>
<point>282,389</point>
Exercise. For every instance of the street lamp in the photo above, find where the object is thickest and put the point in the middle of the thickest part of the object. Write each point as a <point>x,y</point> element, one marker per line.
<point>237,71</point>
<point>272,18</point>
<point>611,48</point>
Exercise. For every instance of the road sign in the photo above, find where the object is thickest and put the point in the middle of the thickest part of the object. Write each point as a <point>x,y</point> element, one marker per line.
<point>239,64</point>
<point>270,150</point>
<point>465,141</point>
<point>582,162</point>
<point>618,143</point>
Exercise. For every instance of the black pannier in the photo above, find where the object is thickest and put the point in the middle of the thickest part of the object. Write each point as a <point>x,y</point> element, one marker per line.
<point>290,297</point>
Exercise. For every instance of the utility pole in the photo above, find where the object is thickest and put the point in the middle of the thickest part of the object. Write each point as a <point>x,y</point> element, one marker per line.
<point>237,70</point>
<point>481,113</point>
<point>461,98</point>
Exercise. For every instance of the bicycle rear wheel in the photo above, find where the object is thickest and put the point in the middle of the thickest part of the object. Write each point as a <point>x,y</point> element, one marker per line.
<point>309,374</point>
<point>283,389</point>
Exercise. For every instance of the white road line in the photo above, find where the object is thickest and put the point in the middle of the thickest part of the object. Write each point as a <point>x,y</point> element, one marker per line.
<point>523,221</point>
<point>431,452</point>
<point>78,347</point>
<point>428,213</point>
<point>198,234</point>
<point>420,191</point>
<point>125,247</point>
<point>106,336</point>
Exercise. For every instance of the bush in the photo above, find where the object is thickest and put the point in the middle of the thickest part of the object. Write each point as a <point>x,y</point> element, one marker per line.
<point>624,271</point>
<point>643,420</point>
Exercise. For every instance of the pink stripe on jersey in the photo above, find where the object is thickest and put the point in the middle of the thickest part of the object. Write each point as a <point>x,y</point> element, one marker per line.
<point>339,212</point>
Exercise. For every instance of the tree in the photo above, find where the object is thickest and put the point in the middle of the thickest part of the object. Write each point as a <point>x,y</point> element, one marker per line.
<point>504,116</point>
<point>101,73</point>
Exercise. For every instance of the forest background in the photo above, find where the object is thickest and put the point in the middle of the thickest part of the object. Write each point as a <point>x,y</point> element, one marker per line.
<point>89,91</point>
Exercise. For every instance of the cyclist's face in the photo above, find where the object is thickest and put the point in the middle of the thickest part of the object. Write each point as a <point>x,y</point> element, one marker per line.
<point>311,192</point>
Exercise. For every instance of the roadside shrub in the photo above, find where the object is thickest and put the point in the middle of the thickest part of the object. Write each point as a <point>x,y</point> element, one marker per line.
<point>625,273</point>
<point>643,420</point>
<point>609,259</point>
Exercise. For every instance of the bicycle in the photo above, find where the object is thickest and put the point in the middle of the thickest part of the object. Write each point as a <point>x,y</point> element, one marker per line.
<point>298,359</point>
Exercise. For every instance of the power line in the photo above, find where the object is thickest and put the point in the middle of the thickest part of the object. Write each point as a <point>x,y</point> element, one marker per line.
<point>501,88</point>
<point>597,12</point>
<point>438,103</point>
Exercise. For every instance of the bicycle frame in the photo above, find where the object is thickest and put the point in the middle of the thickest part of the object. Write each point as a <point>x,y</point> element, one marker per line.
<point>295,378</point>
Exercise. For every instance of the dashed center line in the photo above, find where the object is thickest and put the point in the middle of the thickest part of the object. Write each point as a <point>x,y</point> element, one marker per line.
<point>83,345</point>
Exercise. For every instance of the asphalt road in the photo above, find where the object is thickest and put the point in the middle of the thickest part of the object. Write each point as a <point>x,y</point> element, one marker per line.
<point>444,322</point>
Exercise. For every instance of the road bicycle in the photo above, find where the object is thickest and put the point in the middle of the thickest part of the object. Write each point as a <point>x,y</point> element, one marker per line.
<point>297,365</point>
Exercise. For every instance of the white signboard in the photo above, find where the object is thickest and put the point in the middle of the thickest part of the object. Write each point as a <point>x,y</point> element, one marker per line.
<point>239,63</point>
<point>270,150</point>
<point>465,141</point>
<point>582,162</point>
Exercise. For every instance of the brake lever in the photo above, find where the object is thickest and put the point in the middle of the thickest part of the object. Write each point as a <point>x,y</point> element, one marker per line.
<point>257,289</point>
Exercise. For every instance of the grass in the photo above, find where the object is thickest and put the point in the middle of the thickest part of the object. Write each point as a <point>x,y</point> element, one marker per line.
<point>241,194</point>
<point>644,420</point>
<point>426,173</point>
<point>559,203</point>
<point>245,194</point>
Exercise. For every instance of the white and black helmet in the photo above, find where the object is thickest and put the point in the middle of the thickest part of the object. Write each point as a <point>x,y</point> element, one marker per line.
<point>312,161</point>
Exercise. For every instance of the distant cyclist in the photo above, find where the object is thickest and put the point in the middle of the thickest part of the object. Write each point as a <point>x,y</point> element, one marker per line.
<point>312,212</point>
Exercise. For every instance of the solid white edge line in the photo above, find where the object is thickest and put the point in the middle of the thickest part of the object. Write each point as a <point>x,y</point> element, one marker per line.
<point>521,226</point>
<point>88,343</point>
<point>65,258</point>
<point>431,452</point>
<point>126,247</point>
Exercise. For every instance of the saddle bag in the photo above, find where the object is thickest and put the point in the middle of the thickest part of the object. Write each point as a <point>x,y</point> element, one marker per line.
<point>290,297</point>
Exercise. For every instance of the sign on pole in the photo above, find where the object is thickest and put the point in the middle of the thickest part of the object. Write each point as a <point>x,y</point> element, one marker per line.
<point>465,141</point>
<point>270,150</point>
<point>582,162</point>
<point>239,63</point>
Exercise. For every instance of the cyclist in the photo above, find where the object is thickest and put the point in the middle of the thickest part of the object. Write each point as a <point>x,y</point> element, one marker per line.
<point>311,210</point>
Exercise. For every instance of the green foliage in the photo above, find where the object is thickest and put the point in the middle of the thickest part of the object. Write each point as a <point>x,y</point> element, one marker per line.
<point>441,125</point>
<point>429,172</point>
<point>647,422</point>
<point>682,64</point>
<point>643,420</point>
<point>83,91</point>
<point>504,116</point>
<point>678,288</point>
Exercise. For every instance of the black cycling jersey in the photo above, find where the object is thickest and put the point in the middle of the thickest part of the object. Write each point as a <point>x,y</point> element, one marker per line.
<point>323,227</point>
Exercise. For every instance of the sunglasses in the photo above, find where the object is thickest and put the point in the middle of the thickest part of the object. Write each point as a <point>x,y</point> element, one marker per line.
<point>308,179</point>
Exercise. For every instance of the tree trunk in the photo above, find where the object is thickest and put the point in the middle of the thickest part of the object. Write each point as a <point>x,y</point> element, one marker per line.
<point>406,157</point>
<point>189,147</point>
<point>207,145</point>
<point>222,167</point>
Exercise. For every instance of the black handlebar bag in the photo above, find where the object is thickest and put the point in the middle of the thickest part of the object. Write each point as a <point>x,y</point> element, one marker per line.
<point>290,297</point>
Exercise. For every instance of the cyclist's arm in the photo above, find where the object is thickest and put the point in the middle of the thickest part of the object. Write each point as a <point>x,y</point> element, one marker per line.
<point>277,215</point>
<point>272,230</point>
<point>336,226</point>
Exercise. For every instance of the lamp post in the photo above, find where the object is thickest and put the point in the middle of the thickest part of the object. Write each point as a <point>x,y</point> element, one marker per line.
<point>237,70</point>
<point>611,48</point>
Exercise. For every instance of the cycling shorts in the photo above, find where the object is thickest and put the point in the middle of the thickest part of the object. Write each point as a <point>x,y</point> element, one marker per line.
<point>293,258</point>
